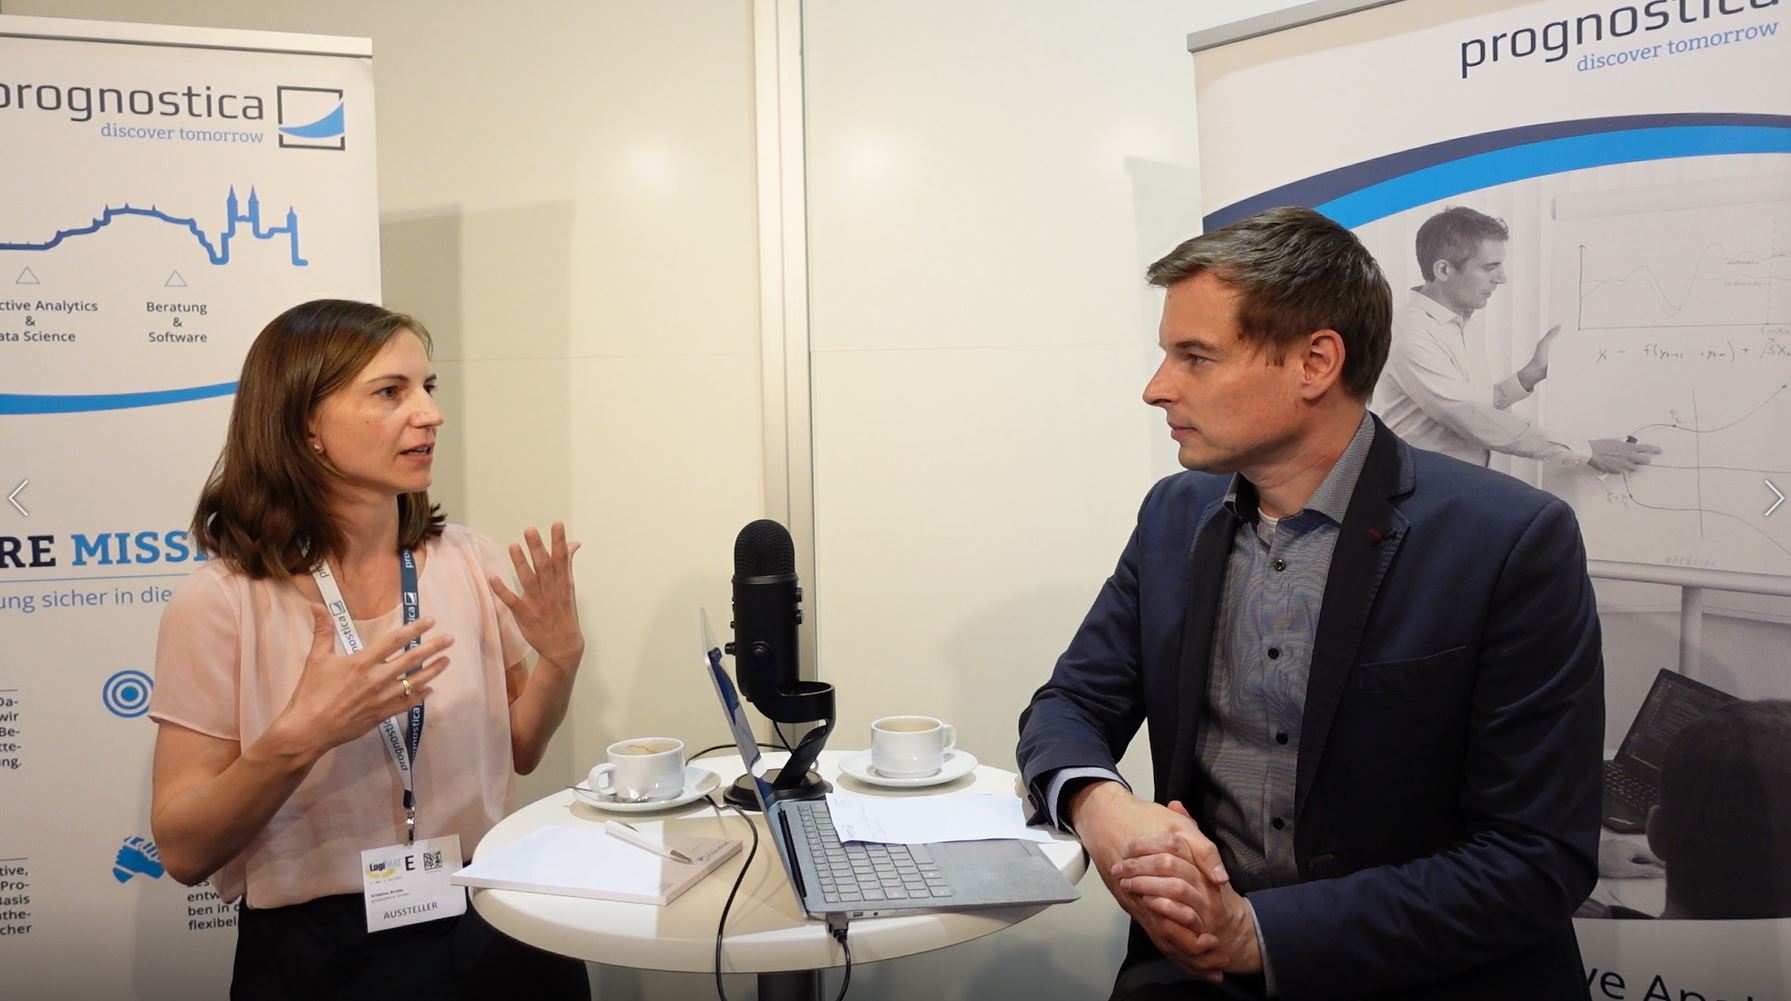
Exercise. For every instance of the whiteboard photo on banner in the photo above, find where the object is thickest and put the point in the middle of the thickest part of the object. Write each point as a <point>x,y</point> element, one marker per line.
<point>1584,211</point>
<point>165,193</point>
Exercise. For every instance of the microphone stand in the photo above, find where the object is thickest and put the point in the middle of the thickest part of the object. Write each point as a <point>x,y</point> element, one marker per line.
<point>809,702</point>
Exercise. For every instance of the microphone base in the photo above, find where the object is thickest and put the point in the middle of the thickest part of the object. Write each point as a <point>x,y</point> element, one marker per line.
<point>740,794</point>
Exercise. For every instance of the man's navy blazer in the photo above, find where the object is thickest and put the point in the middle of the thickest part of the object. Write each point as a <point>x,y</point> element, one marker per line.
<point>1447,781</point>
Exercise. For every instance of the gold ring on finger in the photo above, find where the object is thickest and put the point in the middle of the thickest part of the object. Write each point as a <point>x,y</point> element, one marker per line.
<point>405,681</point>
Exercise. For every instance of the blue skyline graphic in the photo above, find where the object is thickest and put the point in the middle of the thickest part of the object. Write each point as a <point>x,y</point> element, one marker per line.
<point>218,254</point>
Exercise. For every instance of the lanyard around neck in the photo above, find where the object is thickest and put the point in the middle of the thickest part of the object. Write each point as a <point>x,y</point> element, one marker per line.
<point>400,747</point>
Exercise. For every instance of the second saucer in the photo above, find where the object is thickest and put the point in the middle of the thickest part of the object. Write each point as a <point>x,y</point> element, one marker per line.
<point>958,763</point>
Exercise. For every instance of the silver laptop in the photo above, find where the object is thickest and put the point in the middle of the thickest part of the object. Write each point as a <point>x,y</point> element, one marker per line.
<point>836,880</point>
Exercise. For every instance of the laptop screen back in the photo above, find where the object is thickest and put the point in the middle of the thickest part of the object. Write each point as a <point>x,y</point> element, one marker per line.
<point>1674,703</point>
<point>745,741</point>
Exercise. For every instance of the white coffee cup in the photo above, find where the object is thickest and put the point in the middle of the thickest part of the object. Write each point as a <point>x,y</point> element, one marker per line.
<point>641,769</point>
<point>905,747</point>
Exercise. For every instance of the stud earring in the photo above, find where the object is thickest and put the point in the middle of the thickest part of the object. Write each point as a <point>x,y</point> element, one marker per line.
<point>317,446</point>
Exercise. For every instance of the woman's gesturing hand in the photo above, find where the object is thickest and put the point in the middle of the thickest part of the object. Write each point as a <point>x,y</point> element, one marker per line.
<point>340,698</point>
<point>547,609</point>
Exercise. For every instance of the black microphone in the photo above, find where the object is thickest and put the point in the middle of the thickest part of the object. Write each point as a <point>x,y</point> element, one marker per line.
<point>767,610</point>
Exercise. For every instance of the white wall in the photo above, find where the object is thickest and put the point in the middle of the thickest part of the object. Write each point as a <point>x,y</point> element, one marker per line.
<point>987,183</point>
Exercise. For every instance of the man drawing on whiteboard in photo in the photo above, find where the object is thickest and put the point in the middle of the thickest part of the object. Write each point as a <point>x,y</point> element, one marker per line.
<point>1372,674</point>
<point>1435,393</point>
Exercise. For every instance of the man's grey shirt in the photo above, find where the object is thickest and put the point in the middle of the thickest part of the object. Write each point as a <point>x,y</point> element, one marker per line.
<point>1262,655</point>
<point>1331,501</point>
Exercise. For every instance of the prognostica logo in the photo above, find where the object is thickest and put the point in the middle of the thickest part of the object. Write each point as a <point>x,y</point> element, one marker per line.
<point>303,117</point>
<point>1556,40</point>
<point>80,103</point>
<point>311,118</point>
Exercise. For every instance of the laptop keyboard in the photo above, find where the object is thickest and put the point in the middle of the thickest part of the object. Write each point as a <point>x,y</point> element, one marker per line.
<point>859,874</point>
<point>1627,789</point>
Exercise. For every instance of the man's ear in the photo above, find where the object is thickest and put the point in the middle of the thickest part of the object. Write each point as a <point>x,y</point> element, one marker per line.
<point>1442,269</point>
<point>1321,363</point>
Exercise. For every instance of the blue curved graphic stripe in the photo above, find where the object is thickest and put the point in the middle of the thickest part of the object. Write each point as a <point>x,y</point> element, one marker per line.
<point>1380,187</point>
<point>27,403</point>
<point>325,127</point>
<point>1553,157</point>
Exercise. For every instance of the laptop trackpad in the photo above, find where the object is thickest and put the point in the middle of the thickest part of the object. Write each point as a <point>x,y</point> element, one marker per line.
<point>981,853</point>
<point>998,873</point>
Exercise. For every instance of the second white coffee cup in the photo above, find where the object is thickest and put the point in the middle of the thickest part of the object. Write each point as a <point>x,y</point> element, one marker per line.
<point>641,769</point>
<point>910,746</point>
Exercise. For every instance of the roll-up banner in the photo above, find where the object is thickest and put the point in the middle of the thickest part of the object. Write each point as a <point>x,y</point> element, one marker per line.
<point>1584,209</point>
<point>163,194</point>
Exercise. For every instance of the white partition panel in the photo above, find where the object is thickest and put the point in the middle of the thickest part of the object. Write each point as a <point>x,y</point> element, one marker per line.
<point>986,184</point>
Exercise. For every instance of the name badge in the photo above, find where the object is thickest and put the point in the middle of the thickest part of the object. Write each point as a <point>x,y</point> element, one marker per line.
<point>408,884</point>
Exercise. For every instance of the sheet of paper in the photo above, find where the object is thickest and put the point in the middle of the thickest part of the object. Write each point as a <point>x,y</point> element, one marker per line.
<point>913,820</point>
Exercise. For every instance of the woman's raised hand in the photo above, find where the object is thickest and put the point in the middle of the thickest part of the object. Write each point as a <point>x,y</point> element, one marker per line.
<point>340,698</point>
<point>547,609</point>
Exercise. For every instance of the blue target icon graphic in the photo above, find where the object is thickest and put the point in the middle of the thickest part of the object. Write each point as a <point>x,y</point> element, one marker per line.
<point>126,693</point>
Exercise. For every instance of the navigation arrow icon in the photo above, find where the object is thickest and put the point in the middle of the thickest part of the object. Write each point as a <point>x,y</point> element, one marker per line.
<point>1776,503</point>
<point>13,498</point>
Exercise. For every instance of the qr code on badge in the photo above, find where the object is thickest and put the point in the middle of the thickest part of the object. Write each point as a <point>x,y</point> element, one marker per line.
<point>432,860</point>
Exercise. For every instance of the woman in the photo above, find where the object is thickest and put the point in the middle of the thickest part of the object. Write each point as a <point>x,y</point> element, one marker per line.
<point>273,771</point>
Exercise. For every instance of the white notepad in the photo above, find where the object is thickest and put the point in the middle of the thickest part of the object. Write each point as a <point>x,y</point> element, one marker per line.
<point>586,862</point>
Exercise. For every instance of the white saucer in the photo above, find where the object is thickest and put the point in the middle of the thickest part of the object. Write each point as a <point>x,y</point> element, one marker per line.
<point>958,763</point>
<point>698,782</point>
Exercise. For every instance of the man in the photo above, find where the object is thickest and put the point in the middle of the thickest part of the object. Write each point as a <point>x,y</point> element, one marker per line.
<point>1723,824</point>
<point>1434,393</point>
<point>1371,673</point>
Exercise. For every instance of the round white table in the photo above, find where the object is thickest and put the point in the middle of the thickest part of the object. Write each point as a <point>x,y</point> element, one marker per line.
<point>767,932</point>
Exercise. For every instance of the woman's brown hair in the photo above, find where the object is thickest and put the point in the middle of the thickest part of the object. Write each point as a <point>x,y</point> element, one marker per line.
<point>263,510</point>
